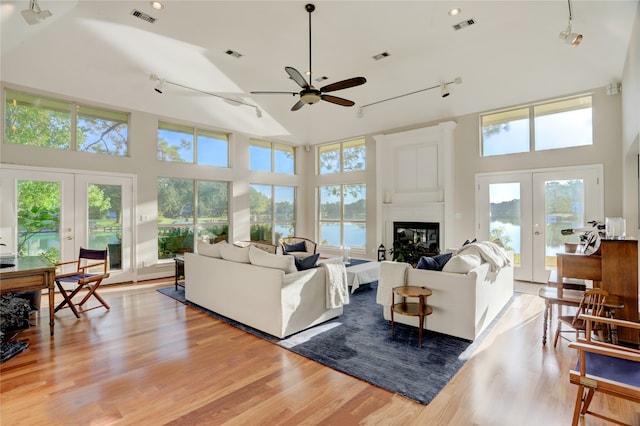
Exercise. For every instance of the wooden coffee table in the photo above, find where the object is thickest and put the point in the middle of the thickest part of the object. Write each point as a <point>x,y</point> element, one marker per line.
<point>419,309</point>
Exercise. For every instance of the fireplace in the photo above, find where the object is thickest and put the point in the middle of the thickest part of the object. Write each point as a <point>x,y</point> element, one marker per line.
<point>411,240</point>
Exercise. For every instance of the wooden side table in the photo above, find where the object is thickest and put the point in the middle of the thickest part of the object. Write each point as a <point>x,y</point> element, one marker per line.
<point>420,309</point>
<point>179,263</point>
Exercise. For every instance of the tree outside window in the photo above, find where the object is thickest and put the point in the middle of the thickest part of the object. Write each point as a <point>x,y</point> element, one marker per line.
<point>342,215</point>
<point>341,157</point>
<point>272,210</point>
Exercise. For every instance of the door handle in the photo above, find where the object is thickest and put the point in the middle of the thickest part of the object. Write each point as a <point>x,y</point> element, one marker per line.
<point>537,233</point>
<point>69,238</point>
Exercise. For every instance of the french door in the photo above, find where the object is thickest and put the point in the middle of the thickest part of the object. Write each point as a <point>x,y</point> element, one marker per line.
<point>528,210</point>
<point>55,213</point>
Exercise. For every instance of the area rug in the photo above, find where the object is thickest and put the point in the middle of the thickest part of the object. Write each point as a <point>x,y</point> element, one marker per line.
<point>359,343</point>
<point>10,349</point>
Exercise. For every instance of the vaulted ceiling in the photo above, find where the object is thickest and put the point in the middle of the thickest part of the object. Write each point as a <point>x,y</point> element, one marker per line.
<point>99,52</point>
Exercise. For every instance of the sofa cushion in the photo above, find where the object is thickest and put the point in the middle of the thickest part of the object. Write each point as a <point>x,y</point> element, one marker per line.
<point>294,247</point>
<point>235,253</point>
<point>210,250</point>
<point>303,263</point>
<point>260,257</point>
<point>434,263</point>
<point>462,263</point>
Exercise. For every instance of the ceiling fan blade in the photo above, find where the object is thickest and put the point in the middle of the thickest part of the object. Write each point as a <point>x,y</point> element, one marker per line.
<point>297,77</point>
<point>297,105</point>
<point>344,84</point>
<point>273,93</point>
<point>337,100</point>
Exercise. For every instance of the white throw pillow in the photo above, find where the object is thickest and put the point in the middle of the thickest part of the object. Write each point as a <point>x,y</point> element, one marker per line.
<point>462,263</point>
<point>210,250</point>
<point>260,257</point>
<point>234,253</point>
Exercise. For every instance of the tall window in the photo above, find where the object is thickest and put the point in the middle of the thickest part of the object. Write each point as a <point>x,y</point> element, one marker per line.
<point>559,124</point>
<point>342,157</point>
<point>271,157</point>
<point>188,210</point>
<point>184,144</point>
<point>49,123</point>
<point>272,210</point>
<point>343,215</point>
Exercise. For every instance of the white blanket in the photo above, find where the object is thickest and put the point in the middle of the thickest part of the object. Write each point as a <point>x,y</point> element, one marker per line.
<point>392,274</point>
<point>337,287</point>
<point>490,252</point>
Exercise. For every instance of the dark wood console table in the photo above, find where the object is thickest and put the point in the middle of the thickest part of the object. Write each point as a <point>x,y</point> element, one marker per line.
<point>30,273</point>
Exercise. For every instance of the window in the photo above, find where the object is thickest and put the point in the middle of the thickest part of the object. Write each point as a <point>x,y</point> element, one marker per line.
<point>342,157</point>
<point>559,124</point>
<point>48,123</point>
<point>342,215</point>
<point>272,210</point>
<point>271,157</point>
<point>184,144</point>
<point>190,210</point>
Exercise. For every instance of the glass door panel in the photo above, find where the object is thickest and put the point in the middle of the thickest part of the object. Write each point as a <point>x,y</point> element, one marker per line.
<point>505,217</point>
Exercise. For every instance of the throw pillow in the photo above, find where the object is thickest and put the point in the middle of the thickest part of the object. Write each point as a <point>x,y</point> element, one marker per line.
<point>235,253</point>
<point>294,247</point>
<point>260,257</point>
<point>309,262</point>
<point>462,263</point>
<point>210,250</point>
<point>434,263</point>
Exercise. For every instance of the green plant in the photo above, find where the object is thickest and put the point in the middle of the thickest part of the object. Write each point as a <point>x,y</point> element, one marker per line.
<point>34,221</point>
<point>174,240</point>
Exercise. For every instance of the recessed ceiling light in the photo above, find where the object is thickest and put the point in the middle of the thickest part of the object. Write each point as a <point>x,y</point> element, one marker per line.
<point>455,11</point>
<point>157,5</point>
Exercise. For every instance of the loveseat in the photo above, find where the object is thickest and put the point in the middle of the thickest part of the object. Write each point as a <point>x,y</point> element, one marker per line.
<point>466,296</point>
<point>262,290</point>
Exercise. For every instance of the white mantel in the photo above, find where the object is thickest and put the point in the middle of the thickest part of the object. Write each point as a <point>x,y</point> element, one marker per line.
<point>414,180</point>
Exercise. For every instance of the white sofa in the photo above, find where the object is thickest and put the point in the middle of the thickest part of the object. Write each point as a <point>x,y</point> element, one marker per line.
<point>464,304</point>
<point>263,297</point>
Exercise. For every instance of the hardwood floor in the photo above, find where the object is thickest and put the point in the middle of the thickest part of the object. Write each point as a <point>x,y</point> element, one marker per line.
<point>152,360</point>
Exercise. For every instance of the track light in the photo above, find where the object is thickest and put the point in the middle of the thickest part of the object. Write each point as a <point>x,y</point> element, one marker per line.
<point>568,36</point>
<point>444,92</point>
<point>34,14</point>
<point>159,88</point>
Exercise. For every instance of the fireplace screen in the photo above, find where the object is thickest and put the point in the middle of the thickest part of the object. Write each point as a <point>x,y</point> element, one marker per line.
<point>415,239</point>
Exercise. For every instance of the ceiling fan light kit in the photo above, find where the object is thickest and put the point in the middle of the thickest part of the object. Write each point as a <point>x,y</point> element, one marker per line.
<point>309,95</point>
<point>568,36</point>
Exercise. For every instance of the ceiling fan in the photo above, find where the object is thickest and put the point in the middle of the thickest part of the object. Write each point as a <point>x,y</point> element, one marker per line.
<point>309,94</point>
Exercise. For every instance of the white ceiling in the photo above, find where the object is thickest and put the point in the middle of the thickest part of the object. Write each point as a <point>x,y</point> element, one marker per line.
<point>96,51</point>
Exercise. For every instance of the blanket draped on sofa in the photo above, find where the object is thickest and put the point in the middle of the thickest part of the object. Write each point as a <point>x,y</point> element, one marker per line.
<point>337,287</point>
<point>490,252</point>
<point>392,274</point>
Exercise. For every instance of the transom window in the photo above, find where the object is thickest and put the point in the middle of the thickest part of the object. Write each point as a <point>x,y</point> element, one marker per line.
<point>50,123</point>
<point>184,144</point>
<point>552,125</point>
<point>271,157</point>
<point>340,157</point>
<point>272,210</point>
<point>342,215</point>
<point>189,210</point>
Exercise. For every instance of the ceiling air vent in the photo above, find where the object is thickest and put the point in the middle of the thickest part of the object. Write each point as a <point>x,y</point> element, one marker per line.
<point>380,56</point>
<point>141,15</point>
<point>321,79</point>
<point>464,24</point>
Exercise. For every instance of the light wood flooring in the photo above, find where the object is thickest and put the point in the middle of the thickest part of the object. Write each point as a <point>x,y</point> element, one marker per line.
<point>151,360</point>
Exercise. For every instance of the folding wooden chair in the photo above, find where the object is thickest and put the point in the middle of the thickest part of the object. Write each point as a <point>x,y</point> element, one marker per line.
<point>592,303</point>
<point>605,368</point>
<point>91,269</point>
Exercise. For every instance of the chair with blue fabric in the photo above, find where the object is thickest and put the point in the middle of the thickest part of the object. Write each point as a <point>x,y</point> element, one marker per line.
<point>298,246</point>
<point>602,367</point>
<point>89,271</point>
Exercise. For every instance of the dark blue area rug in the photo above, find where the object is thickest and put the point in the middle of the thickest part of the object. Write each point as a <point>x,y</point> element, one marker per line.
<point>359,343</point>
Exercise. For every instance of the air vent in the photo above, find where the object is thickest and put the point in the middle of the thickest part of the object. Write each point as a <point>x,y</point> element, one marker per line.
<point>380,56</point>
<point>464,24</point>
<point>141,15</point>
<point>321,79</point>
<point>233,53</point>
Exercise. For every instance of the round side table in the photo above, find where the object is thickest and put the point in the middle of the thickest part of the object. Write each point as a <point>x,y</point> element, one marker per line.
<point>419,309</point>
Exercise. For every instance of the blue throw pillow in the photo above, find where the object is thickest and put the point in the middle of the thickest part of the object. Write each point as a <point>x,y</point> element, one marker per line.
<point>308,262</point>
<point>434,263</point>
<point>295,247</point>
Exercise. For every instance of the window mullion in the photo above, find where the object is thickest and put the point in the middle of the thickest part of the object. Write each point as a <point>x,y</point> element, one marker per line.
<point>74,127</point>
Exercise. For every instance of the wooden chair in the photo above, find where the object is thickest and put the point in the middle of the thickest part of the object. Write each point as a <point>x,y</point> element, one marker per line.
<point>605,368</point>
<point>310,246</point>
<point>82,277</point>
<point>592,303</point>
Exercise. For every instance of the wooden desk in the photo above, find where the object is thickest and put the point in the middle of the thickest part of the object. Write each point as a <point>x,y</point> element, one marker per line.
<point>30,273</point>
<point>554,296</point>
